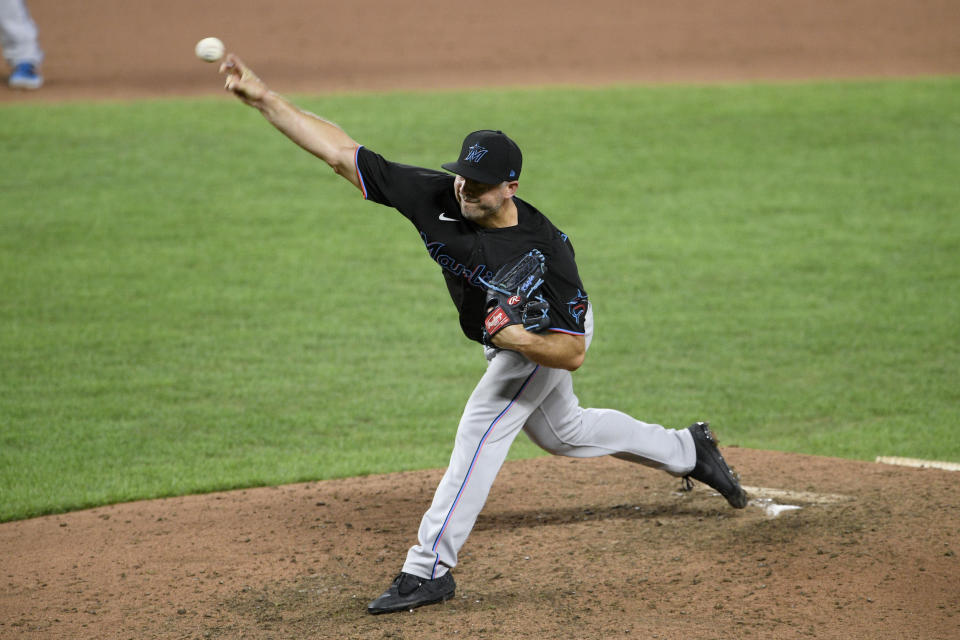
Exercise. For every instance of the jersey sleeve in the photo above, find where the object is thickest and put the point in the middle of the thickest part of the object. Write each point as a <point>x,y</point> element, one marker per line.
<point>403,187</point>
<point>564,290</point>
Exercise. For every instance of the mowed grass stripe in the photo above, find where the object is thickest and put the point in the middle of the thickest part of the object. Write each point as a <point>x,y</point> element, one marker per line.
<point>191,303</point>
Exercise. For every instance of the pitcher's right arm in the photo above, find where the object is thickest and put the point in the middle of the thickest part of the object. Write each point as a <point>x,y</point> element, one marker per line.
<point>320,137</point>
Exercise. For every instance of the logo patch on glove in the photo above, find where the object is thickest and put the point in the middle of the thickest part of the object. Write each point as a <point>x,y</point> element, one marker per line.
<point>496,320</point>
<point>514,301</point>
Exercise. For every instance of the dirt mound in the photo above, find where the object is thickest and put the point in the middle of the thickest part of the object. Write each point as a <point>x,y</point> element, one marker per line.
<point>565,548</point>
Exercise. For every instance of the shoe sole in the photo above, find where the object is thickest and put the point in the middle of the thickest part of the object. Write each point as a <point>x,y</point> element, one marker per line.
<point>410,607</point>
<point>29,85</point>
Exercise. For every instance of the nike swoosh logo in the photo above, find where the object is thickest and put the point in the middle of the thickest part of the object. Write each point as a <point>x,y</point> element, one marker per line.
<point>446,218</point>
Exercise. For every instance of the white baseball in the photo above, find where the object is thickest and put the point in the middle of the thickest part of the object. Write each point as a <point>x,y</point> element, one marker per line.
<point>209,49</point>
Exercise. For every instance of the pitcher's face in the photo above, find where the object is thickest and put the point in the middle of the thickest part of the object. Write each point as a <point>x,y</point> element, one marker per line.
<point>480,201</point>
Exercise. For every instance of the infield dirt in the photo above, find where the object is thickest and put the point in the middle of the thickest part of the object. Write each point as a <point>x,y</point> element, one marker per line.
<point>564,548</point>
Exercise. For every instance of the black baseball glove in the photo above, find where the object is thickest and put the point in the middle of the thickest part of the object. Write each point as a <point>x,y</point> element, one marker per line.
<point>512,299</point>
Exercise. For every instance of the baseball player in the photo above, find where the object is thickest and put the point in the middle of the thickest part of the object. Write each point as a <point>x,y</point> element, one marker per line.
<point>513,278</point>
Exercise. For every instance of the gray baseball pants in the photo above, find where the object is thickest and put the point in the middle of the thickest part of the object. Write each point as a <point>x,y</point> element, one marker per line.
<point>18,34</point>
<point>516,394</point>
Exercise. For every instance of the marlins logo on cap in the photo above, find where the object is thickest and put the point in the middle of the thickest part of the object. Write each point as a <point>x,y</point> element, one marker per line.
<point>489,157</point>
<point>476,154</point>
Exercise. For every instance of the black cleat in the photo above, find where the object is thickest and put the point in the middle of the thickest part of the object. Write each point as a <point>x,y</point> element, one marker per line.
<point>409,592</point>
<point>712,470</point>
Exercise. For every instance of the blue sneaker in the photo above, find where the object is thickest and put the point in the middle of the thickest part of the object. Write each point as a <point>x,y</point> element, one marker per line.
<point>25,76</point>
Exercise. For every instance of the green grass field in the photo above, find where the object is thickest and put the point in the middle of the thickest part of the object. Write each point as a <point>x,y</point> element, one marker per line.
<point>190,303</point>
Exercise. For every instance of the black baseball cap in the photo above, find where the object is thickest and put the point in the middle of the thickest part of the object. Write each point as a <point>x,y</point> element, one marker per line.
<point>489,157</point>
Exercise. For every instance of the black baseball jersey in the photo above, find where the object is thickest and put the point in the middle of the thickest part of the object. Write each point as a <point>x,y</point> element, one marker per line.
<point>467,252</point>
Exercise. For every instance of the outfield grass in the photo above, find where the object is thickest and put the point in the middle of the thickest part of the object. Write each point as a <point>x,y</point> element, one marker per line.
<point>191,303</point>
